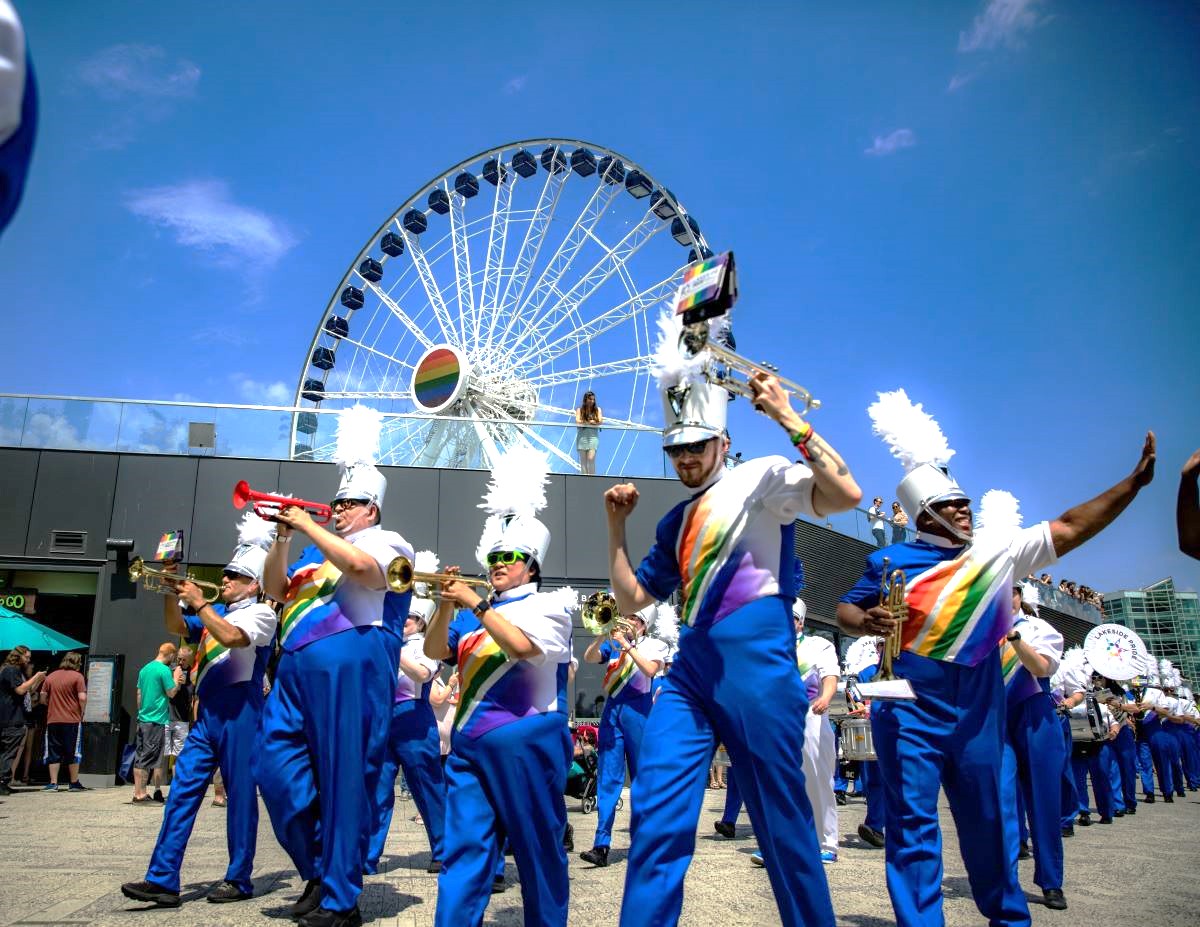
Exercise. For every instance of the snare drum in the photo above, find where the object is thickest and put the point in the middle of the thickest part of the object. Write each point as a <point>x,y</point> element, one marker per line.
<point>1087,723</point>
<point>857,742</point>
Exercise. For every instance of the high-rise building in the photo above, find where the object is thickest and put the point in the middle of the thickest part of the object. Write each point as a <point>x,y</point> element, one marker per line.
<point>1168,621</point>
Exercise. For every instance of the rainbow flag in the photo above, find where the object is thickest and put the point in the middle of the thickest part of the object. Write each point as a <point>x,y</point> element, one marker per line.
<point>960,609</point>
<point>436,378</point>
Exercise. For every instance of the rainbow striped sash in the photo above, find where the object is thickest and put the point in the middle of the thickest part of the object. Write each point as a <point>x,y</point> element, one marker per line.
<point>481,664</point>
<point>620,671</point>
<point>707,538</point>
<point>209,653</point>
<point>311,591</point>
<point>959,610</point>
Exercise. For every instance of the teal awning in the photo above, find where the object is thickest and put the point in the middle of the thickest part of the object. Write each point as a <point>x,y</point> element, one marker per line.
<point>17,629</point>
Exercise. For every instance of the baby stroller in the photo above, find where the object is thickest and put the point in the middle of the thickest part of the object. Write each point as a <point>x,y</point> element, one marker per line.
<point>581,781</point>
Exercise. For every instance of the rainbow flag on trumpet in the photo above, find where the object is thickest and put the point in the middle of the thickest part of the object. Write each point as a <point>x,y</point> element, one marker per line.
<point>960,609</point>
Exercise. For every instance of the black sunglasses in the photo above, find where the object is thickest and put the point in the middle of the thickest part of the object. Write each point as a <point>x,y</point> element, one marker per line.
<point>695,448</point>
<point>506,557</point>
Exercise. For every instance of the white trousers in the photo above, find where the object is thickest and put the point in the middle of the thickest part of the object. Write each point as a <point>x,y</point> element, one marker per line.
<point>820,759</point>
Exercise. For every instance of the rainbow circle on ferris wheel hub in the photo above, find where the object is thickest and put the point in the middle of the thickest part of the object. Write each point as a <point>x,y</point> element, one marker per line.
<point>484,307</point>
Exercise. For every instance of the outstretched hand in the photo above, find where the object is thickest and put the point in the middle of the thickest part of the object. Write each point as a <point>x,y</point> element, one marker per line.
<point>1143,473</point>
<point>1191,469</point>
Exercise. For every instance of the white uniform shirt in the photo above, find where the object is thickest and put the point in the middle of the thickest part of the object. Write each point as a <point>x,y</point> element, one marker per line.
<point>817,658</point>
<point>413,650</point>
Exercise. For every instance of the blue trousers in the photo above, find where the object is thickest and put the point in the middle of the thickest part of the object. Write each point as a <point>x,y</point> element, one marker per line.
<point>715,690</point>
<point>1068,794</point>
<point>324,737</point>
<point>872,788</point>
<point>1094,764</point>
<point>1108,759</point>
<point>952,736</point>
<point>1145,765</point>
<point>224,737</point>
<point>1187,760</point>
<point>507,783</point>
<point>733,798</point>
<point>1035,754</point>
<point>414,744</point>
<point>619,743</point>
<point>1163,750</point>
<point>1124,750</point>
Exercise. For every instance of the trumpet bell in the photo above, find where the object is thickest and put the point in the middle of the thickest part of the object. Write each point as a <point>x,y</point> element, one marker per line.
<point>164,583</point>
<point>401,577</point>
<point>601,614</point>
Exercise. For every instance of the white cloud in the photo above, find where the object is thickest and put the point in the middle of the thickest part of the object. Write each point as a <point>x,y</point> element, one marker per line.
<point>145,71</point>
<point>889,144</point>
<point>202,215</point>
<point>1002,22</point>
<point>958,81</point>
<point>515,84</point>
<point>267,394</point>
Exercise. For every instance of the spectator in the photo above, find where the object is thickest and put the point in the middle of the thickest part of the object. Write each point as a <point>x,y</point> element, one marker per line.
<point>180,709</point>
<point>35,728</point>
<point>156,685</point>
<point>13,686</point>
<point>1046,579</point>
<point>589,417</point>
<point>64,694</point>
<point>1064,587</point>
<point>878,521</point>
<point>899,524</point>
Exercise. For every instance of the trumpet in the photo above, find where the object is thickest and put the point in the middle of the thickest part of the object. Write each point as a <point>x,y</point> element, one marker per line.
<point>401,577</point>
<point>892,591</point>
<point>601,615</point>
<point>725,362</point>
<point>165,583</point>
<point>268,506</point>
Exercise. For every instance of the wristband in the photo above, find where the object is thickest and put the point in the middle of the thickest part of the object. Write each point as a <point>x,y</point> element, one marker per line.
<point>801,438</point>
<point>283,539</point>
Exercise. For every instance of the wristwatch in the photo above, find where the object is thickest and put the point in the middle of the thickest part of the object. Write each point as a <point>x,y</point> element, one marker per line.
<point>1013,636</point>
<point>480,607</point>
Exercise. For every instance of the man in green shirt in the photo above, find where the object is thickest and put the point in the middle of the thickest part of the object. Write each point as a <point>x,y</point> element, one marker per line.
<point>156,684</point>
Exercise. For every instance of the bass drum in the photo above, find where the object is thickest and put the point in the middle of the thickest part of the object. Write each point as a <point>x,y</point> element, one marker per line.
<point>857,741</point>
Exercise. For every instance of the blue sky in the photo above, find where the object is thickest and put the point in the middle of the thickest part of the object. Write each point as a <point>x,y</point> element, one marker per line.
<point>992,204</point>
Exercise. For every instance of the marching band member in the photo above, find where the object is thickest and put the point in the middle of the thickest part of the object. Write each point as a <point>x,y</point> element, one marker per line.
<point>1034,747</point>
<point>817,660</point>
<point>730,550</point>
<point>862,663</point>
<point>325,726</point>
<point>233,644</point>
<point>1089,757</point>
<point>1178,727</point>
<point>413,741</point>
<point>1124,747</point>
<point>511,747</point>
<point>1163,746</point>
<point>958,610</point>
<point>633,662</point>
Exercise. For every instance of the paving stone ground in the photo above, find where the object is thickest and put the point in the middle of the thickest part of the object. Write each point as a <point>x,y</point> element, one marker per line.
<point>63,857</point>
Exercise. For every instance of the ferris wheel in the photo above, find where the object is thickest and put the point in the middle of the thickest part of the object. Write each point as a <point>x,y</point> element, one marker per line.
<point>492,299</point>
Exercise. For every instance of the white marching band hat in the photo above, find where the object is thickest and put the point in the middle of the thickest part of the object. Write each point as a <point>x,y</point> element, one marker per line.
<point>799,610</point>
<point>693,408</point>
<point>421,604</point>
<point>255,536</point>
<point>514,496</point>
<point>357,450</point>
<point>916,440</point>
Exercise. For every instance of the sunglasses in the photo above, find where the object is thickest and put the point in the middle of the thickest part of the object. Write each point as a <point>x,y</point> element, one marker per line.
<point>695,448</point>
<point>506,557</point>
<point>342,504</point>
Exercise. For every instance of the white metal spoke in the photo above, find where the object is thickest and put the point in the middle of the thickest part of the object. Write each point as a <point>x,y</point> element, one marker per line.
<point>434,295</point>
<point>613,261</point>
<point>622,423</point>
<point>607,320</point>
<point>532,435</point>
<point>531,246</point>
<point>547,285</point>
<point>497,239</point>
<point>462,266</point>
<point>368,394</point>
<point>370,350</point>
<point>593,372</point>
<point>395,309</point>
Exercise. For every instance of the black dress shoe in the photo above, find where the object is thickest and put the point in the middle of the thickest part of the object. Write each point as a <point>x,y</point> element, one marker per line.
<point>309,901</point>
<point>227,891</point>
<point>1149,799</point>
<point>148,891</point>
<point>1181,794</point>
<point>499,885</point>
<point>1118,814</point>
<point>1132,809</point>
<point>5,790</point>
<point>1170,800</point>
<point>871,835</point>
<point>1068,831</point>
<point>158,796</point>
<point>1023,852</point>
<point>597,856</point>
<point>1105,820</point>
<point>839,797</point>
<point>323,917</point>
<point>435,866</point>
<point>725,829</point>
<point>1054,899</point>
<point>1084,820</point>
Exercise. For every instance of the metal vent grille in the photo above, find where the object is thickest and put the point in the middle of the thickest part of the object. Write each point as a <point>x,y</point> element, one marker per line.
<point>68,542</point>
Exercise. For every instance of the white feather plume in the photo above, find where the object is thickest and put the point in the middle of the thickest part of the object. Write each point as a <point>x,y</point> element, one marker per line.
<point>862,653</point>
<point>670,366</point>
<point>1074,662</point>
<point>518,483</point>
<point>358,430</point>
<point>564,598</point>
<point>666,624</point>
<point>999,514</point>
<point>255,531</point>
<point>1031,596</point>
<point>493,531</point>
<point>912,435</point>
<point>424,561</point>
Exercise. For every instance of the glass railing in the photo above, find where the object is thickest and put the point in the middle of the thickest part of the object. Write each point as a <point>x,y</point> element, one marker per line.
<point>1068,604</point>
<point>265,433</point>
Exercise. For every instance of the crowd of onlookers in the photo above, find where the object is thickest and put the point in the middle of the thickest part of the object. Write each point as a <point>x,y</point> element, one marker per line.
<point>1077,591</point>
<point>880,519</point>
